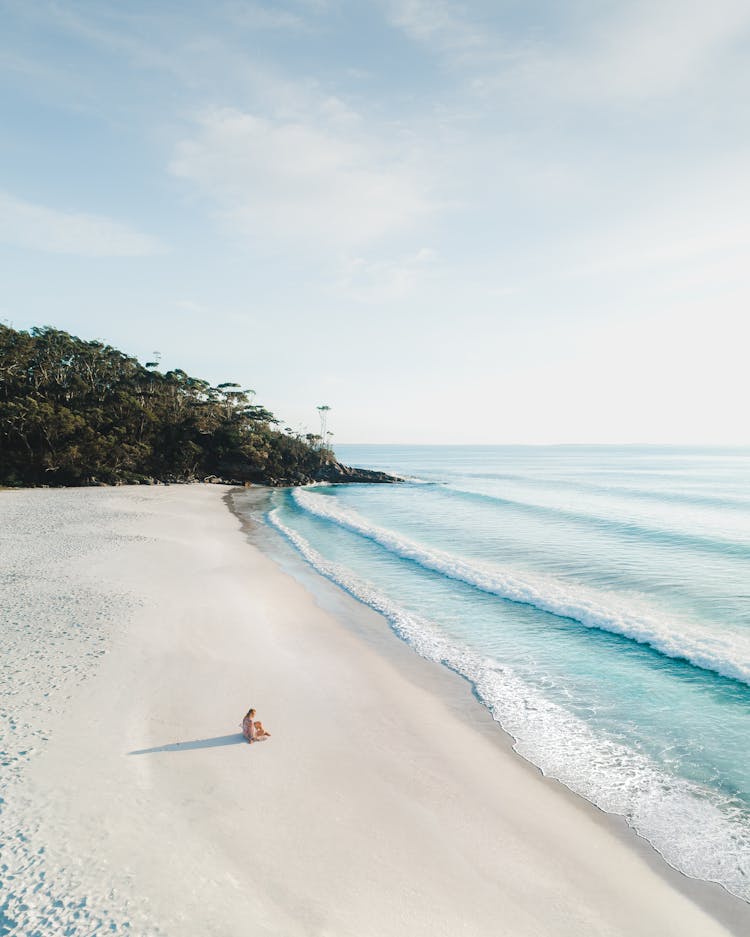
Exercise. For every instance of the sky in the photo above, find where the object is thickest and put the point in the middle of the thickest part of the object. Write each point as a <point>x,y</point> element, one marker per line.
<point>496,221</point>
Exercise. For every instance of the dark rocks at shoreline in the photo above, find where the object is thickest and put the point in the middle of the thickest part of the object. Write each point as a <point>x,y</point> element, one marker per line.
<point>340,474</point>
<point>334,473</point>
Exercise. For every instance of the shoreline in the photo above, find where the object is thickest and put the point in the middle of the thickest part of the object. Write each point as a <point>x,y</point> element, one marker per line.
<point>727,908</point>
<point>388,801</point>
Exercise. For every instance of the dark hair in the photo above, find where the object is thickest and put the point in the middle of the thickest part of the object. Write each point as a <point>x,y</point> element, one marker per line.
<point>250,712</point>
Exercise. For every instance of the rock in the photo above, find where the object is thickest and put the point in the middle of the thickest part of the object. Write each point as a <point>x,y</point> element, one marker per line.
<point>337,473</point>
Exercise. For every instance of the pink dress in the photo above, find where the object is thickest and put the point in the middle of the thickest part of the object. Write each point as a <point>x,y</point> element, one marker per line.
<point>248,729</point>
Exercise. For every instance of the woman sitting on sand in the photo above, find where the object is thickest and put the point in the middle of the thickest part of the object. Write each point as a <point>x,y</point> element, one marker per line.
<point>252,730</point>
<point>248,725</point>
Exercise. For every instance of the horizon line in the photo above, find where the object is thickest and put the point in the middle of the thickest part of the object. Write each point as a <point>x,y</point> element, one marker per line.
<point>547,445</point>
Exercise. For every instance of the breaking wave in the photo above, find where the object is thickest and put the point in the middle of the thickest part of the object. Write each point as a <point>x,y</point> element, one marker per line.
<point>727,653</point>
<point>696,830</point>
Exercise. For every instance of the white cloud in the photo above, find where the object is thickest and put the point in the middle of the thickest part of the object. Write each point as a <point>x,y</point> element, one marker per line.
<point>647,50</point>
<point>318,180</point>
<point>633,50</point>
<point>109,28</point>
<point>441,23</point>
<point>381,281</point>
<point>23,224</point>
<point>260,17</point>
<point>190,306</point>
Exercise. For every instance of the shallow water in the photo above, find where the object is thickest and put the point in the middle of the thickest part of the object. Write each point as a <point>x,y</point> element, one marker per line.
<point>598,598</point>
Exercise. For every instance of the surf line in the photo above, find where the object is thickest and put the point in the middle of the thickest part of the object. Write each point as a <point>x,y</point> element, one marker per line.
<point>550,597</point>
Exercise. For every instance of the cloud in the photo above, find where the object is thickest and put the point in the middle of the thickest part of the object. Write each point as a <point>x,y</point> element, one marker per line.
<point>647,50</point>
<point>111,29</point>
<point>259,16</point>
<point>318,179</point>
<point>627,52</point>
<point>440,23</point>
<point>381,281</point>
<point>23,224</point>
<point>190,306</point>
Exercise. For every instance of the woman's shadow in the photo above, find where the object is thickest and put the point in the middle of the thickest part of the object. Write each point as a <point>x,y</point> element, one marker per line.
<point>217,742</point>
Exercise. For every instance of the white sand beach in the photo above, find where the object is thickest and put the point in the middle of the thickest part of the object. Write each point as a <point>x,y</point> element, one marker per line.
<point>139,624</point>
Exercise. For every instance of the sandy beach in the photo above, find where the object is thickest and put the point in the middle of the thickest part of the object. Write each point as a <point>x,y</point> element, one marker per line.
<point>140,624</point>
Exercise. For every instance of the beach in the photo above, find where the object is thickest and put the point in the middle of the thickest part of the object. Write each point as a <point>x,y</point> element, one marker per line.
<point>140,625</point>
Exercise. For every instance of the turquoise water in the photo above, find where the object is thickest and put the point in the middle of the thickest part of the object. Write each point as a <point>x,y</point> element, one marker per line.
<point>598,599</point>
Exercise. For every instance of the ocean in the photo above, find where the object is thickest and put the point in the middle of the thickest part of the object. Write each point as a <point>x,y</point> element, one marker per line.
<point>596,598</point>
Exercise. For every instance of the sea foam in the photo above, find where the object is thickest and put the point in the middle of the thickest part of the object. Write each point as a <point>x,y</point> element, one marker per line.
<point>726,653</point>
<point>698,832</point>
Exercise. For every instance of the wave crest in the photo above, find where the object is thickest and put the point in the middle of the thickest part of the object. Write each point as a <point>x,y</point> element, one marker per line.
<point>696,832</point>
<point>728,656</point>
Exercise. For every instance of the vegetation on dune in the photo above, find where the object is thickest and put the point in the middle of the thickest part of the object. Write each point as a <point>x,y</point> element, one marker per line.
<point>76,412</point>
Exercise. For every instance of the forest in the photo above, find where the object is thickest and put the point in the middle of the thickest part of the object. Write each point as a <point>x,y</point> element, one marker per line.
<point>75,412</point>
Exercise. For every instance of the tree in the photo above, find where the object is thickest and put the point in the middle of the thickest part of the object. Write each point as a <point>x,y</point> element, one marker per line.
<point>78,412</point>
